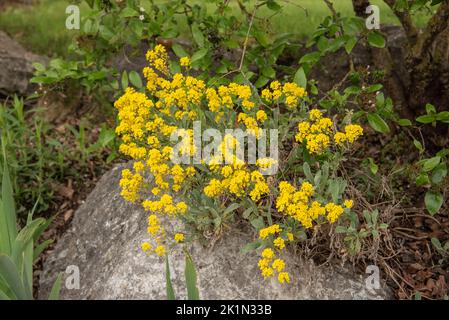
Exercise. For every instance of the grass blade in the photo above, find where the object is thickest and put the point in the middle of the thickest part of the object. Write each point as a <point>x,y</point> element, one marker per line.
<point>56,289</point>
<point>8,271</point>
<point>169,286</point>
<point>190,274</point>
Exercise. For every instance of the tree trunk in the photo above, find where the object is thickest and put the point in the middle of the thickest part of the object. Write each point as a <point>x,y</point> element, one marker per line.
<point>427,62</point>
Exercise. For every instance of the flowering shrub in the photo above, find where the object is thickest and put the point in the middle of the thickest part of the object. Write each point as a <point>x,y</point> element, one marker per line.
<point>209,193</point>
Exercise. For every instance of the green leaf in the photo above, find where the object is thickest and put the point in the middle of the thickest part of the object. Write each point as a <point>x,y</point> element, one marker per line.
<point>56,289</point>
<point>433,201</point>
<point>135,79</point>
<point>200,54</point>
<point>437,244</point>
<point>125,82</point>
<point>261,81</point>
<point>40,248</point>
<point>431,163</point>
<point>404,122</point>
<point>418,146</point>
<point>250,247</point>
<point>169,285</point>
<point>9,273</point>
<point>262,38</point>
<point>428,118</point>
<point>377,123</point>
<point>272,5</point>
<point>231,208</point>
<point>300,78</point>
<point>191,279</point>
<point>340,229</point>
<point>269,72</point>
<point>350,44</point>
<point>376,39</point>
<point>197,35</point>
<point>258,223</point>
<point>307,171</point>
<point>439,173</point>
<point>129,12</point>
<point>7,212</point>
<point>373,166</point>
<point>179,50</point>
<point>311,57</point>
<point>374,88</point>
<point>422,180</point>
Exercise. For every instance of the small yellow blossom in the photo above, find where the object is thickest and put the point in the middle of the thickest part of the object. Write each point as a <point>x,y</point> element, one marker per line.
<point>179,237</point>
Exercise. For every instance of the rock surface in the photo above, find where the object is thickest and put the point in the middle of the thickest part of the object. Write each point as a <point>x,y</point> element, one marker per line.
<point>16,66</point>
<point>104,243</point>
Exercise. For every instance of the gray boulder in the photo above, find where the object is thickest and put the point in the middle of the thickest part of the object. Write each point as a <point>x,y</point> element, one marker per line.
<point>16,67</point>
<point>104,243</point>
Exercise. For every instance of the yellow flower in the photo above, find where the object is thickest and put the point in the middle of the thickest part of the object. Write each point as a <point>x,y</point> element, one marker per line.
<point>179,237</point>
<point>267,272</point>
<point>278,264</point>
<point>184,62</point>
<point>265,232</point>
<point>290,236</point>
<point>340,138</point>
<point>333,212</point>
<point>146,246</point>
<point>348,204</point>
<point>279,243</point>
<point>315,114</point>
<point>353,131</point>
<point>284,277</point>
<point>160,250</point>
<point>263,263</point>
<point>268,253</point>
<point>261,116</point>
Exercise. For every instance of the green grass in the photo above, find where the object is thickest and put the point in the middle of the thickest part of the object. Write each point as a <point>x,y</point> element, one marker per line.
<point>41,28</point>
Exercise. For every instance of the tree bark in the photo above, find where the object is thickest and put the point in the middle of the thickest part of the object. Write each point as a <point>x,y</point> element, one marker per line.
<point>427,61</point>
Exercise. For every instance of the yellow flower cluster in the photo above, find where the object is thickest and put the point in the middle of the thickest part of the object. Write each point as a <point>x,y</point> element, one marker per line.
<point>318,132</point>
<point>269,264</point>
<point>156,231</point>
<point>234,175</point>
<point>184,62</point>
<point>299,204</point>
<point>146,124</point>
<point>290,92</point>
<point>352,132</point>
<point>131,185</point>
<point>158,58</point>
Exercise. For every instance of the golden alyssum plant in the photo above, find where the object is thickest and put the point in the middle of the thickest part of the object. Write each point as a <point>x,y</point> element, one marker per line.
<point>226,185</point>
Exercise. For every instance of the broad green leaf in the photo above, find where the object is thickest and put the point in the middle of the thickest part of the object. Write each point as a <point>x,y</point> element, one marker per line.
<point>427,118</point>
<point>431,163</point>
<point>135,79</point>
<point>197,35</point>
<point>300,78</point>
<point>376,39</point>
<point>261,81</point>
<point>377,123</point>
<point>433,201</point>
<point>231,208</point>
<point>179,51</point>
<point>404,122</point>
<point>200,54</point>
